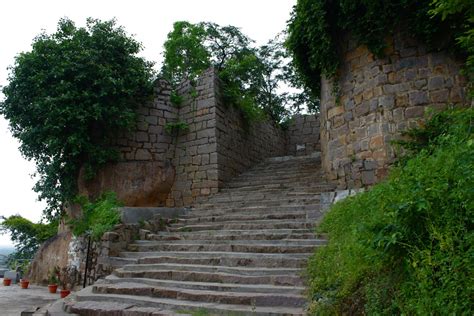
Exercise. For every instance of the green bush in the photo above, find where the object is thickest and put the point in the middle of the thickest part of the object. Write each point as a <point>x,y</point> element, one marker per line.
<point>98,216</point>
<point>406,245</point>
<point>68,97</point>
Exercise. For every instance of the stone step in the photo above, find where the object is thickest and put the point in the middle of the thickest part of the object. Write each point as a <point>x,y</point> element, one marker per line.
<point>279,197</point>
<point>207,286</point>
<point>211,275</point>
<point>225,216</point>
<point>252,260</point>
<point>232,208</point>
<point>309,174</point>
<point>315,186</point>
<point>86,301</point>
<point>265,184</point>
<point>242,202</point>
<point>262,212</point>
<point>245,225</point>
<point>269,234</point>
<point>237,259</point>
<point>260,246</point>
<point>220,297</point>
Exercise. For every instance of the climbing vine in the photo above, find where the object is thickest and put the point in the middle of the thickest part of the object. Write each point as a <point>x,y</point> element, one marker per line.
<point>316,27</point>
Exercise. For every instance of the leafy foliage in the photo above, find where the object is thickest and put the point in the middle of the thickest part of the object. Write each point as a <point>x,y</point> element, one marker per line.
<point>405,246</point>
<point>464,9</point>
<point>175,127</point>
<point>26,235</point>
<point>251,76</point>
<point>68,95</point>
<point>317,26</point>
<point>98,216</point>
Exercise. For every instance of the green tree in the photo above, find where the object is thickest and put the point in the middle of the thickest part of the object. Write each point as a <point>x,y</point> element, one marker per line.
<point>26,235</point>
<point>67,97</point>
<point>252,77</point>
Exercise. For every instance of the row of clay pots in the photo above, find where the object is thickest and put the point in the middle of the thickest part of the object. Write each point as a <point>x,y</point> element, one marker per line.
<point>52,287</point>
<point>23,283</point>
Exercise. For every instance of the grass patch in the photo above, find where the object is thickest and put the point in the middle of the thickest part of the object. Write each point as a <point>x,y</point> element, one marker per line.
<point>406,245</point>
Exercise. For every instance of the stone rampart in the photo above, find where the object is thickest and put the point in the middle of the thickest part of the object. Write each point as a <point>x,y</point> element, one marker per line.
<point>379,98</point>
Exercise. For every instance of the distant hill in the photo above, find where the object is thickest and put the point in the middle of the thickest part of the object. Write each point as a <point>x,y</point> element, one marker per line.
<point>6,250</point>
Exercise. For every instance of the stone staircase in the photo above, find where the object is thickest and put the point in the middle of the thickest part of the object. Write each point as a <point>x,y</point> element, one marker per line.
<point>242,252</point>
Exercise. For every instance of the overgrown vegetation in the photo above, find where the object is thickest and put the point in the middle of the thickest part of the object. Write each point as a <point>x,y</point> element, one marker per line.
<point>173,128</point>
<point>317,27</point>
<point>67,97</point>
<point>251,76</point>
<point>406,246</point>
<point>26,235</point>
<point>98,216</point>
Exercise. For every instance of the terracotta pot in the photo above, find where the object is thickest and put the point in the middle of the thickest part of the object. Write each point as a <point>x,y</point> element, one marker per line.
<point>64,293</point>
<point>7,282</point>
<point>24,284</point>
<point>52,288</point>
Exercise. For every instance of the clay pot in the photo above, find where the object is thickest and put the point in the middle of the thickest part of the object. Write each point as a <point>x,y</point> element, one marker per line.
<point>64,293</point>
<point>24,284</point>
<point>7,282</point>
<point>52,288</point>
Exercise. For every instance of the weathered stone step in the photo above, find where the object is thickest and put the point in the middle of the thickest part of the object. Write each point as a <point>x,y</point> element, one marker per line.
<point>212,276</point>
<point>256,198</point>
<point>315,186</point>
<point>269,234</point>
<point>87,301</point>
<point>261,246</point>
<point>252,260</point>
<point>266,184</point>
<point>221,297</point>
<point>245,225</point>
<point>227,209</point>
<point>288,175</point>
<point>223,216</point>
<point>226,213</point>
<point>242,202</point>
<point>208,286</point>
<point>237,259</point>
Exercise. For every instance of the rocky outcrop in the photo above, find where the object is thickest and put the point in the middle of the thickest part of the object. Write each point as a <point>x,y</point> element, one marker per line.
<point>54,252</point>
<point>136,183</point>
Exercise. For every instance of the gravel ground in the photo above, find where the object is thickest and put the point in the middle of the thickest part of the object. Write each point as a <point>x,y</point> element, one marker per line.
<point>14,299</point>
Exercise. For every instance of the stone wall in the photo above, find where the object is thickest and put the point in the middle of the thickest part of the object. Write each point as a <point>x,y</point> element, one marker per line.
<point>378,99</point>
<point>195,148</point>
<point>303,135</point>
<point>241,145</point>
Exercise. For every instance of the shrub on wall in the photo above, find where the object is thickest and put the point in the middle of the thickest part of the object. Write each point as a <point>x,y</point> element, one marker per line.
<point>407,245</point>
<point>98,217</point>
<point>68,96</point>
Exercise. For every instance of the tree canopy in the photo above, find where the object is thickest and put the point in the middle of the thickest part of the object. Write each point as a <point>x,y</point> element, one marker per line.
<point>252,76</point>
<point>67,96</point>
<point>26,235</point>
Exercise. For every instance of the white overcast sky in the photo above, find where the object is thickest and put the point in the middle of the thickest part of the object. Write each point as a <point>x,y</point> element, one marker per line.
<point>149,21</point>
